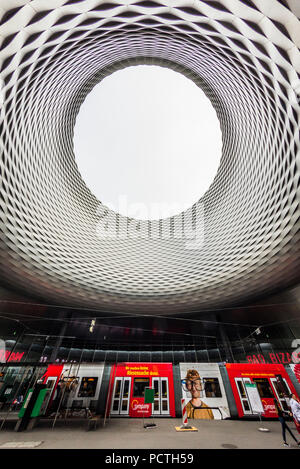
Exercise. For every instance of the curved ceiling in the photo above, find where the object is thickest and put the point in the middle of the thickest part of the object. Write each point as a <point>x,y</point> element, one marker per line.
<point>59,243</point>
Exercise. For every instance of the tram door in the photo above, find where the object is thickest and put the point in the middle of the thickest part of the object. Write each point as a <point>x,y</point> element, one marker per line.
<point>121,394</point>
<point>279,392</point>
<point>240,384</point>
<point>161,396</point>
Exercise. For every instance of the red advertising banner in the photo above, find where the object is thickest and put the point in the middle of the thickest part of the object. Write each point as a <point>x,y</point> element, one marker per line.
<point>283,358</point>
<point>8,356</point>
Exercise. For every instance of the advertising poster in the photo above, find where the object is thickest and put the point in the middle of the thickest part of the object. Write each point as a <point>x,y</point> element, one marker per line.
<point>203,391</point>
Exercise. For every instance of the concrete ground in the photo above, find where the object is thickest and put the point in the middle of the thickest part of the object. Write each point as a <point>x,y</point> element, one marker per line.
<point>129,434</point>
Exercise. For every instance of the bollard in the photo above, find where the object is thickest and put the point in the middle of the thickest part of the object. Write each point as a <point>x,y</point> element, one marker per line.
<point>185,424</point>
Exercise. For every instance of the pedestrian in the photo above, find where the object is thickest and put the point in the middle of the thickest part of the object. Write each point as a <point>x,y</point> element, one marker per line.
<point>282,414</point>
<point>295,407</point>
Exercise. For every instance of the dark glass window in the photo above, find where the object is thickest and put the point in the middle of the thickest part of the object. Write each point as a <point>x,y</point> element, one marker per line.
<point>264,388</point>
<point>76,404</point>
<point>139,386</point>
<point>281,387</point>
<point>241,389</point>
<point>88,387</point>
<point>212,387</point>
<point>246,405</point>
<point>93,405</point>
<point>99,356</point>
<point>122,356</point>
<point>116,405</point>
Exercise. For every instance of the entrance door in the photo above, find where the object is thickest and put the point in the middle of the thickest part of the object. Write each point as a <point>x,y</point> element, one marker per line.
<point>121,393</point>
<point>243,394</point>
<point>161,396</point>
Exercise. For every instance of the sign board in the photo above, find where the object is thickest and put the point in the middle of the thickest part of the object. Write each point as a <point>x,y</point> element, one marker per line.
<point>25,403</point>
<point>40,405</point>
<point>254,398</point>
<point>149,396</point>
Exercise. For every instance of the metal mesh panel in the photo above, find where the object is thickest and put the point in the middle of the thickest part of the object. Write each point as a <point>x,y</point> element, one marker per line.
<point>245,57</point>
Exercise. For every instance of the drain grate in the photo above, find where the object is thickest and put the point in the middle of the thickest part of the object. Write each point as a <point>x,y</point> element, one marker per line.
<point>21,444</point>
<point>228,446</point>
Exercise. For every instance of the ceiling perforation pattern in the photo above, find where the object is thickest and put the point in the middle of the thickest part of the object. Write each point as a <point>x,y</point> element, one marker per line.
<point>244,56</point>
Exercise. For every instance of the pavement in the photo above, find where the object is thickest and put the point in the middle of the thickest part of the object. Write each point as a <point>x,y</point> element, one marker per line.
<point>129,433</point>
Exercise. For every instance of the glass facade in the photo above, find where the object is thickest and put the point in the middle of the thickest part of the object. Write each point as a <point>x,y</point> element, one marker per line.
<point>66,338</point>
<point>268,347</point>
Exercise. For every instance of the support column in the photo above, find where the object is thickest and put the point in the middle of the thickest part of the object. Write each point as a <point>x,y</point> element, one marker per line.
<point>226,344</point>
<point>59,340</point>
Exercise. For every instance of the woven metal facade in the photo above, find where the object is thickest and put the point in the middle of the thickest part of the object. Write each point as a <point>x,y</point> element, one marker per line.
<point>245,57</point>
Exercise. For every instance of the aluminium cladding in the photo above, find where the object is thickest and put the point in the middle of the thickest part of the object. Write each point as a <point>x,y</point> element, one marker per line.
<point>245,56</point>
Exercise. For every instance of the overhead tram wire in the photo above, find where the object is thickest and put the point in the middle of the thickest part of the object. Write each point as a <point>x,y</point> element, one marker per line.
<point>157,318</point>
<point>128,315</point>
<point>70,321</point>
<point>136,328</point>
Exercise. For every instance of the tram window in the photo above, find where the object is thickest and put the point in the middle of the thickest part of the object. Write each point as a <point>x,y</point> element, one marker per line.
<point>264,388</point>
<point>281,396</point>
<point>164,405</point>
<point>281,386</point>
<point>87,387</point>
<point>241,389</point>
<point>156,392</point>
<point>139,386</point>
<point>164,390</point>
<point>126,390</point>
<point>116,405</point>
<point>76,404</point>
<point>279,390</point>
<point>246,405</point>
<point>212,387</point>
<point>118,389</point>
<point>93,405</point>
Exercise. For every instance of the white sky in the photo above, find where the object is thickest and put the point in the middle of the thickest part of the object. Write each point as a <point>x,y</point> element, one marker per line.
<point>147,142</point>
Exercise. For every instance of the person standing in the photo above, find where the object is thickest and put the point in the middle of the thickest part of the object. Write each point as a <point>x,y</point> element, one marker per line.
<point>281,417</point>
<point>295,407</point>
